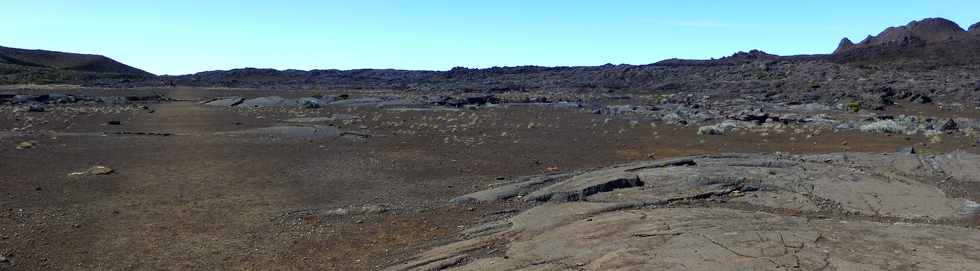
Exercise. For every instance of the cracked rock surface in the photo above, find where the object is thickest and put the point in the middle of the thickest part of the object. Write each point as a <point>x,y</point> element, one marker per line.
<point>845,211</point>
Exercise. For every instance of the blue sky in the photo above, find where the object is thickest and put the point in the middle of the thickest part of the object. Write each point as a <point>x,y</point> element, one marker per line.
<point>179,37</point>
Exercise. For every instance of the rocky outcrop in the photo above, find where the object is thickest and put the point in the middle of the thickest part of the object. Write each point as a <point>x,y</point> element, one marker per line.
<point>932,30</point>
<point>920,45</point>
<point>844,45</point>
<point>594,236</point>
<point>732,212</point>
<point>975,29</point>
<point>60,98</point>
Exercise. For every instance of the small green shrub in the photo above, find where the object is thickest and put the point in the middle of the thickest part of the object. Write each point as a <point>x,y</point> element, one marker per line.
<point>854,106</point>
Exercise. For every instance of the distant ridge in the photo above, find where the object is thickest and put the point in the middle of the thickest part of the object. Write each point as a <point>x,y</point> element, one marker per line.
<point>66,61</point>
<point>919,45</point>
<point>931,30</point>
<point>927,43</point>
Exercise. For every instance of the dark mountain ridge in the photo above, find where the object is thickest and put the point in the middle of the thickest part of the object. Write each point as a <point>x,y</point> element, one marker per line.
<point>23,66</point>
<point>66,61</point>
<point>931,30</point>
<point>925,46</point>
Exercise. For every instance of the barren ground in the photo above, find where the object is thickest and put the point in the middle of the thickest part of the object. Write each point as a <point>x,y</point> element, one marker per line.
<point>210,197</point>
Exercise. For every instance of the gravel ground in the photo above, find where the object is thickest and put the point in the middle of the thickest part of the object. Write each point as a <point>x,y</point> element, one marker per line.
<point>190,191</point>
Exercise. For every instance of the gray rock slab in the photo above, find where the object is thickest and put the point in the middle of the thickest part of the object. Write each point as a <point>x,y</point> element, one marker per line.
<point>613,218</point>
<point>225,101</point>
<point>263,102</point>
<point>713,239</point>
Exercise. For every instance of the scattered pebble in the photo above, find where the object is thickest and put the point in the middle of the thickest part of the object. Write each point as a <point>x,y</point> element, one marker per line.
<point>26,145</point>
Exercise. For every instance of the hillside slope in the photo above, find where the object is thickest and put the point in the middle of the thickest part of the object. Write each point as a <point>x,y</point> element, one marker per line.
<point>928,43</point>
<point>66,61</point>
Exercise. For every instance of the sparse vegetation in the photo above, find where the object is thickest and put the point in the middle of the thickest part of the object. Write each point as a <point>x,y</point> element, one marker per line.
<point>854,106</point>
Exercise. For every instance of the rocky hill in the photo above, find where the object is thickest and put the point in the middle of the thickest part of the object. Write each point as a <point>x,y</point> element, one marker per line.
<point>22,66</point>
<point>66,61</point>
<point>927,31</point>
<point>928,43</point>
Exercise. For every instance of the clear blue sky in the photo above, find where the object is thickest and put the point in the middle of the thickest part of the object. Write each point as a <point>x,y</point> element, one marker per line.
<point>178,37</point>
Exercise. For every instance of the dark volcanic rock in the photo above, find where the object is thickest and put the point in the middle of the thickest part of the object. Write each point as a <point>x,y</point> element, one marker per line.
<point>113,100</point>
<point>756,116</point>
<point>35,108</point>
<point>921,99</point>
<point>19,99</point>
<point>58,98</point>
<point>752,55</point>
<point>975,29</point>
<point>469,99</point>
<point>928,43</point>
<point>928,30</point>
<point>949,126</point>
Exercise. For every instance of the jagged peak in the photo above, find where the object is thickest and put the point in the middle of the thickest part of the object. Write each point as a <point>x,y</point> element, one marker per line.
<point>844,45</point>
<point>975,28</point>
<point>751,55</point>
<point>929,30</point>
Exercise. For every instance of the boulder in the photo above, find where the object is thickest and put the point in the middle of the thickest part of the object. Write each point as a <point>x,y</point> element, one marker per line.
<point>114,100</point>
<point>469,99</point>
<point>225,101</point>
<point>58,98</point>
<point>21,99</point>
<point>308,102</point>
<point>756,116</point>
<point>718,129</point>
<point>35,108</point>
<point>949,126</point>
